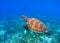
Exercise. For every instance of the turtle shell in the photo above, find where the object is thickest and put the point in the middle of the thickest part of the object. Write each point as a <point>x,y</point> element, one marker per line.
<point>36,25</point>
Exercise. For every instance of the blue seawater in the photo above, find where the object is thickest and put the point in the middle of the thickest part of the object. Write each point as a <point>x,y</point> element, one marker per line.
<point>12,25</point>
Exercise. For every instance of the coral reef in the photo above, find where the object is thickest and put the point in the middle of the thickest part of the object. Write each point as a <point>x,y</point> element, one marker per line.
<point>13,32</point>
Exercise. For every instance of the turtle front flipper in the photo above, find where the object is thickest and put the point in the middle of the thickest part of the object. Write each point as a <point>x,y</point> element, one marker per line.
<point>26,27</point>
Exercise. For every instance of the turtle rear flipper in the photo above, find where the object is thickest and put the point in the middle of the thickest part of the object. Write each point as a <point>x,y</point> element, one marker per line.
<point>49,32</point>
<point>26,27</point>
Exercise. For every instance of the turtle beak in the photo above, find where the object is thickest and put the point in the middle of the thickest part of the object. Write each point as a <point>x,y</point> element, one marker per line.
<point>24,17</point>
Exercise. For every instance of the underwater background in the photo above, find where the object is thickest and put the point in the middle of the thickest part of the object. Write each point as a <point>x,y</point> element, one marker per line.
<point>11,23</point>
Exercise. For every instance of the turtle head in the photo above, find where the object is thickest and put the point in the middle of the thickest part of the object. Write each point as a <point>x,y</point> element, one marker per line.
<point>24,17</point>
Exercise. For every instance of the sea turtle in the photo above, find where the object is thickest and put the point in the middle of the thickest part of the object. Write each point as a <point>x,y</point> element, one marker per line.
<point>35,25</point>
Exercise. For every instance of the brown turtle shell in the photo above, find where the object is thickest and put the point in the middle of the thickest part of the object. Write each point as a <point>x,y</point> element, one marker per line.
<point>36,25</point>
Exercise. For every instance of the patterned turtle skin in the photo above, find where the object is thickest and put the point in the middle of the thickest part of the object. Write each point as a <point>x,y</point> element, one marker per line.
<point>35,25</point>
